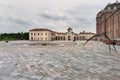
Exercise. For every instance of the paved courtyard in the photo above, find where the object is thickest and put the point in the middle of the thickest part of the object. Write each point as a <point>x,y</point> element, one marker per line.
<point>25,60</point>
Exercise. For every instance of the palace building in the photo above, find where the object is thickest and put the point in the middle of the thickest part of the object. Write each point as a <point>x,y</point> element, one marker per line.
<point>108,20</point>
<point>43,34</point>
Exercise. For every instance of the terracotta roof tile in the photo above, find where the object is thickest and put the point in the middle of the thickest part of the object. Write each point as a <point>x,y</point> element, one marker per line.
<point>40,29</point>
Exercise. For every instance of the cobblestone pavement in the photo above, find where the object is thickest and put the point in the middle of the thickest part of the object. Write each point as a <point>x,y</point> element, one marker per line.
<point>21,60</point>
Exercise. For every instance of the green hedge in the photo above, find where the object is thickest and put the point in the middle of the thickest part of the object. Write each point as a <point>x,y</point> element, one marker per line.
<point>14,36</point>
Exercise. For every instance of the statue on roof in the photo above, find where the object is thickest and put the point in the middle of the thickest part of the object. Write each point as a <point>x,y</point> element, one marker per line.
<point>69,29</point>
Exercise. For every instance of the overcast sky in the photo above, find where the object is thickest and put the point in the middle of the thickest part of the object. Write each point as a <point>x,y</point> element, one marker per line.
<point>58,15</point>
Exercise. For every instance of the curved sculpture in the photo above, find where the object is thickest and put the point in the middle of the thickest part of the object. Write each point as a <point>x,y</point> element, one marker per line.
<point>110,42</point>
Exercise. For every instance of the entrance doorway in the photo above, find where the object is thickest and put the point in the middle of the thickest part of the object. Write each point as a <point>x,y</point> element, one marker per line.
<point>69,38</point>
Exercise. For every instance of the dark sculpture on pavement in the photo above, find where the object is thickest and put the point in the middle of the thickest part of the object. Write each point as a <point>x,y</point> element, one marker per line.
<point>110,42</point>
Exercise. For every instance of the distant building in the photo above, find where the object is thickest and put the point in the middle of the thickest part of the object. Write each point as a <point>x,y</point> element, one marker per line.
<point>108,20</point>
<point>42,34</point>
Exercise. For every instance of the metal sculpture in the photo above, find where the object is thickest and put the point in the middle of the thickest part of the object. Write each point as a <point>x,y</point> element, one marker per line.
<point>110,42</point>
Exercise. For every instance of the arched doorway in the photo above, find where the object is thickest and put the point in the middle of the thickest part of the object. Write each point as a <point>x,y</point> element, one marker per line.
<point>69,38</point>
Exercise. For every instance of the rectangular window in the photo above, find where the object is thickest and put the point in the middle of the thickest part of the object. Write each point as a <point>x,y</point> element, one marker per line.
<point>46,34</point>
<point>31,38</point>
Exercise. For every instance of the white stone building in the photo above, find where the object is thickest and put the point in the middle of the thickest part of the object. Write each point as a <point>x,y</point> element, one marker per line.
<point>42,34</point>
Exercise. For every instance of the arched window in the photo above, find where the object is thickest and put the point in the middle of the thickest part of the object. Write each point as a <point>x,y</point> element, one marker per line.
<point>45,38</point>
<point>74,38</point>
<point>63,38</point>
<point>55,38</point>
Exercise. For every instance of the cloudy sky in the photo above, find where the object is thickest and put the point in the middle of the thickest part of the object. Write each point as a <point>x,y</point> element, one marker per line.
<point>58,15</point>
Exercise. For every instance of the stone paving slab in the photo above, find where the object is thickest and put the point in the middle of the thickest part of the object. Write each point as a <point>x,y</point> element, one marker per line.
<point>64,61</point>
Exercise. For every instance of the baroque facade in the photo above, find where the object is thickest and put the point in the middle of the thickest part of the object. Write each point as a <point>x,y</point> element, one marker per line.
<point>42,34</point>
<point>108,20</point>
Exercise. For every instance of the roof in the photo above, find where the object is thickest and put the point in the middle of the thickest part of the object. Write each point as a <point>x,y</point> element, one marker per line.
<point>40,29</point>
<point>109,8</point>
<point>86,33</point>
<point>60,33</point>
<point>112,6</point>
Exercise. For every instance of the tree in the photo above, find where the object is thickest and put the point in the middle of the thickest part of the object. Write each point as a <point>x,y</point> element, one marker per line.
<point>14,36</point>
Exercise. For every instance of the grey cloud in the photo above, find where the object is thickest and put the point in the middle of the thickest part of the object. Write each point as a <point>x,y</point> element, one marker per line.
<point>19,20</point>
<point>14,24</point>
<point>81,19</point>
<point>85,21</point>
<point>53,16</point>
<point>0,19</point>
<point>3,19</point>
<point>6,5</point>
<point>3,5</point>
<point>60,14</point>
